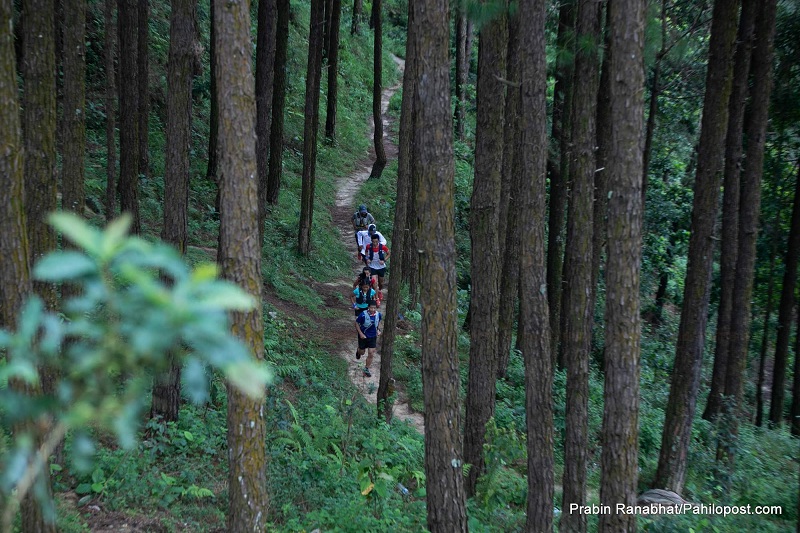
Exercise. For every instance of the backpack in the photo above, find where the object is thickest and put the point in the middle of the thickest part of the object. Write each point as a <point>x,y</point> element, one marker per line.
<point>361,221</point>
<point>381,254</point>
<point>363,298</point>
<point>370,321</point>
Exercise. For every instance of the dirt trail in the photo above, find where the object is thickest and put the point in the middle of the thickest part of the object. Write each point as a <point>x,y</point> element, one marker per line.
<point>346,192</point>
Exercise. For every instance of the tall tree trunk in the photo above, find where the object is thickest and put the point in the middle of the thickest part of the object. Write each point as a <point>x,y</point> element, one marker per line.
<point>167,387</point>
<point>109,44</point>
<point>730,204</point>
<point>400,233</point>
<point>462,67</point>
<point>785,309</point>
<point>795,410</point>
<point>602,158</point>
<point>559,174</point>
<point>433,133</point>
<point>73,195</point>
<point>534,328</point>
<point>143,79</point>
<point>619,460</point>
<point>509,201</point>
<point>213,128</point>
<point>333,73</point>
<point>310,127</point>
<point>377,90</point>
<point>655,91</point>
<point>16,284</point>
<point>762,356</point>
<point>578,272</point>
<point>677,432</point>
<point>278,103</point>
<point>265,73</point>
<point>358,13</point>
<point>485,264</point>
<point>755,130</point>
<point>240,257</point>
<point>128,183</point>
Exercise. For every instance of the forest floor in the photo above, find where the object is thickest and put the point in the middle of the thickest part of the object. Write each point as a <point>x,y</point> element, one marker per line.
<point>340,331</point>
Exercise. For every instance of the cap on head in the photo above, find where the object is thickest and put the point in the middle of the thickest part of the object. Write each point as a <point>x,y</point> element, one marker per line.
<point>362,209</point>
<point>371,229</point>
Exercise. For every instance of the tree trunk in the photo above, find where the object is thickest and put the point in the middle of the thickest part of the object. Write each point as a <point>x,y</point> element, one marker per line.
<point>333,73</point>
<point>16,284</point>
<point>559,175</point>
<point>73,196</point>
<point>762,356</point>
<point>310,127</point>
<point>433,131</point>
<point>600,177</point>
<point>795,411</point>
<point>358,13</point>
<point>755,131</point>
<point>377,90</point>
<point>462,66</point>
<point>730,204</point>
<point>278,103</point>
<point>534,328</point>
<point>167,387</point>
<point>509,201</point>
<point>213,128</point>
<point>619,460</point>
<point>655,91</point>
<point>128,183</point>
<point>577,335</point>
<point>143,80</point>
<point>400,233</point>
<point>677,431</point>
<point>265,72</point>
<point>785,309</point>
<point>240,257</point>
<point>109,43</point>
<point>485,263</point>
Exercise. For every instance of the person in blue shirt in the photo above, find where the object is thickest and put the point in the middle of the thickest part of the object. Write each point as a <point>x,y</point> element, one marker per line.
<point>369,328</point>
<point>362,296</point>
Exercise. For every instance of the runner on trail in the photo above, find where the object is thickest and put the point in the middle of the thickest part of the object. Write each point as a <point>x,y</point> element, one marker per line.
<point>368,326</point>
<point>361,221</point>
<point>366,276</point>
<point>372,229</point>
<point>375,256</point>
<point>365,238</point>
<point>361,297</point>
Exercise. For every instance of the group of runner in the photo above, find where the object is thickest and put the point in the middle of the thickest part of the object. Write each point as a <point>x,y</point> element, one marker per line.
<point>368,288</point>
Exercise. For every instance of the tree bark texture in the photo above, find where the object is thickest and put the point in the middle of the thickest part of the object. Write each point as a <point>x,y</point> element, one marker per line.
<point>16,284</point>
<point>400,233</point>
<point>655,91</point>
<point>535,331</point>
<point>602,156</point>
<point>785,308</point>
<point>560,175</point>
<point>485,238</point>
<point>240,257</point>
<point>166,390</point>
<point>730,203</point>
<point>128,184</point>
<point>755,130</point>
<point>577,335</point>
<point>74,115</point>
<point>265,73</point>
<point>509,206</point>
<point>446,502</point>
<point>39,134</point>
<point>358,14</point>
<point>333,70</point>
<point>377,90</point>
<point>213,128</point>
<point>619,459</point>
<point>462,68</point>
<point>109,47</point>
<point>278,103</point>
<point>677,432</point>
<point>143,80</point>
<point>310,126</point>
